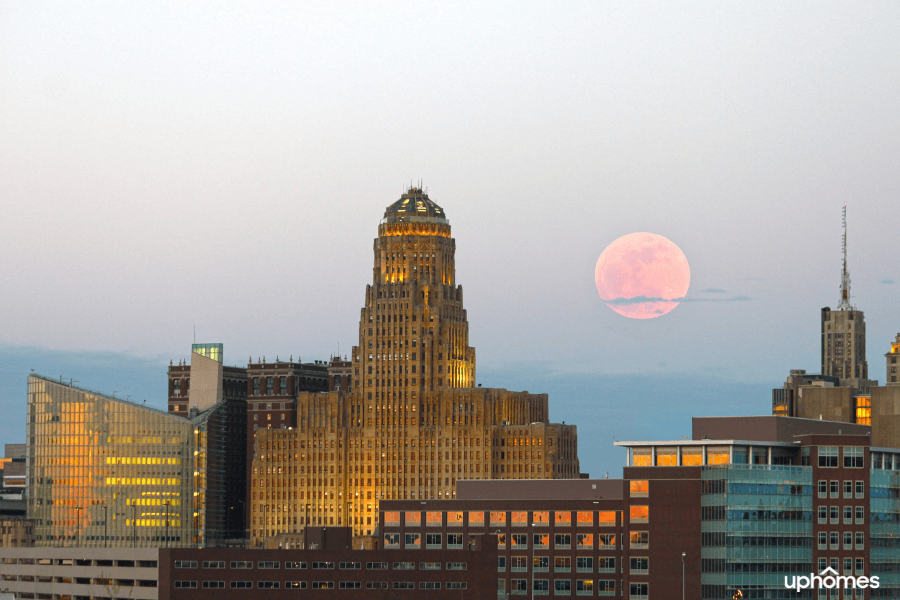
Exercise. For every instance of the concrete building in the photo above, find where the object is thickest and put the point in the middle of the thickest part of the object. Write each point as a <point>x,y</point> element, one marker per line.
<point>413,423</point>
<point>106,472</point>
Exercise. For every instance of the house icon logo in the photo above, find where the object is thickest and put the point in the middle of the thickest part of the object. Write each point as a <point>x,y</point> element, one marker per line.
<point>829,579</point>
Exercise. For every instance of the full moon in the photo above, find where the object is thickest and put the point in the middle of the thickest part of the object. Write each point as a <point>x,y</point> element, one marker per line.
<point>642,275</point>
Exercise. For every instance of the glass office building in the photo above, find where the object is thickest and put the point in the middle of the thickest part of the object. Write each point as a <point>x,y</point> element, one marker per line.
<point>106,472</point>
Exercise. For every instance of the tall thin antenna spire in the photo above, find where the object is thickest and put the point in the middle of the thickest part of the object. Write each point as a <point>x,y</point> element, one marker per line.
<point>844,304</point>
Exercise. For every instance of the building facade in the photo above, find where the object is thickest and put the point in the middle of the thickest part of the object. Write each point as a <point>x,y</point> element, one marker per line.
<point>106,472</point>
<point>891,374</point>
<point>413,423</point>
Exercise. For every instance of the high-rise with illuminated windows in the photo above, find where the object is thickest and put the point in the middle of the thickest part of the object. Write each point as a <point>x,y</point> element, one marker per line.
<point>412,422</point>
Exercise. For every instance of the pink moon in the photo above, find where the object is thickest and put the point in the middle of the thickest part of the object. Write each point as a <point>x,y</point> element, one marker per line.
<point>642,275</point>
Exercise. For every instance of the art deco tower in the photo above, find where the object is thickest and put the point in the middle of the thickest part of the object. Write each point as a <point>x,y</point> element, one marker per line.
<point>413,332</point>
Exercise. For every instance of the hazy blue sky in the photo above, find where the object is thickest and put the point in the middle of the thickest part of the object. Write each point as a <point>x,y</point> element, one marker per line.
<point>166,165</point>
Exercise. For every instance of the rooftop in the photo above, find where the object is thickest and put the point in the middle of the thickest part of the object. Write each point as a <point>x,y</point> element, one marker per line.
<point>415,207</point>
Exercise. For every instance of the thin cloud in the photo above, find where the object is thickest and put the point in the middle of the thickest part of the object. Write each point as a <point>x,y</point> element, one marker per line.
<point>713,291</point>
<point>644,299</point>
<point>888,281</point>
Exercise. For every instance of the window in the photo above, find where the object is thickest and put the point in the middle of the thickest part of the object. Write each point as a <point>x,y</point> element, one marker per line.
<point>519,541</point>
<point>828,456</point>
<point>540,517</point>
<point>563,541</point>
<point>833,514</point>
<point>860,566</point>
<point>498,518</point>
<point>853,457</point>
<point>606,541</point>
<point>295,585</point>
<point>211,585</point>
<point>518,564</point>
<point>242,585</point>
<point>404,566</point>
<point>415,518</point>
<point>848,488</point>
<point>562,518</point>
<point>860,515</point>
<point>267,585</point>
<point>606,518</point>
<point>434,519</point>
<point>456,566</point>
<point>323,565</point>
<point>638,591</point>
<point>518,587</point>
<point>541,563</point>
<point>848,515</point>
<point>834,540</point>
<point>519,518</point>
<point>455,518</point>
<point>562,564</point>
<point>562,587</point>
<point>639,566</point>
<point>185,564</point>
<point>413,540</point>
<point>541,541</point>
<point>376,566</point>
<point>640,539</point>
<point>860,540</point>
<point>454,541</point>
<point>432,540</point>
<point>606,587</point>
<point>848,540</point>
<point>833,489</point>
<point>430,566</point>
<point>476,519</point>
<point>323,585</point>
<point>268,564</point>
<point>391,540</point>
<point>639,489</point>
<point>823,540</point>
<point>860,489</point>
<point>823,514</point>
<point>607,565</point>
<point>584,587</point>
<point>350,566</point>
<point>584,564</point>
<point>376,585</point>
<point>823,488</point>
<point>404,585</point>
<point>584,541</point>
<point>429,585</point>
<point>242,564</point>
<point>213,564</point>
<point>185,584</point>
<point>640,514</point>
<point>294,564</point>
<point>456,585</point>
<point>349,585</point>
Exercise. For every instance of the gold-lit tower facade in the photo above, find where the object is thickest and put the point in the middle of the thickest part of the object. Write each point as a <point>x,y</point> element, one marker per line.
<point>414,422</point>
<point>413,332</point>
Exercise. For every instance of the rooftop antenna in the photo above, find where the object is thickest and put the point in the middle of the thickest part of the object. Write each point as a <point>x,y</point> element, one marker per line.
<point>195,334</point>
<point>844,304</point>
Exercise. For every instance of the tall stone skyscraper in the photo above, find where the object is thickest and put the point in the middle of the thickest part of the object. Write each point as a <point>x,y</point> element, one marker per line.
<point>844,333</point>
<point>413,332</point>
<point>413,423</point>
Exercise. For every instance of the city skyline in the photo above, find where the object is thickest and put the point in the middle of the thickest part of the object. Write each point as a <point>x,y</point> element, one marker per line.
<point>160,172</point>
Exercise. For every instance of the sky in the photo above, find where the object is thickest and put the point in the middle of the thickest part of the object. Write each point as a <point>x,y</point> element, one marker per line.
<point>167,166</point>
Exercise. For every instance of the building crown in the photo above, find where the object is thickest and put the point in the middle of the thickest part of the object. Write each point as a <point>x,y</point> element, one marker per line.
<point>415,207</point>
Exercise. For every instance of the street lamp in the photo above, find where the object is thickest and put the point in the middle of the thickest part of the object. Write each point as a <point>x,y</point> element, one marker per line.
<point>683,555</point>
<point>105,527</point>
<point>78,510</point>
<point>532,560</point>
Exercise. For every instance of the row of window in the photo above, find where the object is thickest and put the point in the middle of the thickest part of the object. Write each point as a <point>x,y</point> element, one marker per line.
<point>320,585</point>
<point>831,540</point>
<point>538,518</point>
<point>833,488</point>
<point>853,456</point>
<point>583,564</point>
<point>563,587</point>
<point>540,541</point>
<point>832,514</point>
